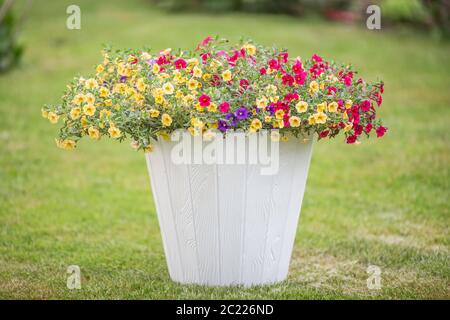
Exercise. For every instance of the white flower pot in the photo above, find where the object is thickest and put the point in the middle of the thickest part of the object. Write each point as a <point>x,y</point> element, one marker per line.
<point>226,224</point>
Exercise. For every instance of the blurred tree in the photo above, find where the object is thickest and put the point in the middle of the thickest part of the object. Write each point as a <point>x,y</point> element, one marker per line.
<point>440,15</point>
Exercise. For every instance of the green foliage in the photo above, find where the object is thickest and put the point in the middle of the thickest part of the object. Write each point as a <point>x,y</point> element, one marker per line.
<point>10,50</point>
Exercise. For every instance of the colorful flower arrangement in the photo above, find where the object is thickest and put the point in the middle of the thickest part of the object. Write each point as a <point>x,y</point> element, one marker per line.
<point>216,87</point>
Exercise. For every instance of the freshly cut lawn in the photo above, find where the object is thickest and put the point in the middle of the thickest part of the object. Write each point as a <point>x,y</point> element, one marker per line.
<point>384,202</point>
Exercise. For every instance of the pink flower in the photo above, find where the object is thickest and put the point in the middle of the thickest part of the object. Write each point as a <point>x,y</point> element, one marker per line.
<point>316,58</point>
<point>224,107</point>
<point>297,68</point>
<point>180,63</point>
<point>284,56</point>
<point>380,131</point>
<point>204,100</point>
<point>204,42</point>
<point>262,71</point>
<point>347,81</point>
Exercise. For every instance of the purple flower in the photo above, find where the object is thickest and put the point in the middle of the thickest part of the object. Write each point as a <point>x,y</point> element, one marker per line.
<point>270,109</point>
<point>123,79</point>
<point>231,119</point>
<point>222,125</point>
<point>242,113</point>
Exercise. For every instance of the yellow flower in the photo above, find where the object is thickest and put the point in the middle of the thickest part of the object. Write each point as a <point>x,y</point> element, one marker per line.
<point>91,83</point>
<point>75,113</point>
<point>139,98</point>
<point>52,117</point>
<point>267,119</point>
<point>321,107</point>
<point>105,113</point>
<point>197,72</point>
<point>194,132</point>
<point>197,123</point>
<point>84,121</point>
<point>44,113</point>
<point>68,144</point>
<point>313,86</point>
<point>275,135</point>
<point>99,68</point>
<point>90,98</point>
<point>226,75</point>
<point>140,84</point>
<point>206,76</point>
<point>153,113</point>
<point>261,102</point>
<point>294,121</point>
<point>333,107</point>
<point>167,88</point>
<point>192,84</point>
<point>104,92</point>
<point>345,116</point>
<point>89,110</point>
<point>348,127</point>
<point>212,107</point>
<point>114,132</point>
<point>279,114</point>
<point>134,144</point>
<point>193,62</point>
<point>301,106</point>
<point>149,148</point>
<point>274,99</point>
<point>166,120</point>
<point>348,104</point>
<point>271,89</point>
<point>255,125</point>
<point>108,102</point>
<point>312,120</point>
<point>251,49</point>
<point>179,94</point>
<point>159,99</point>
<point>284,138</point>
<point>79,99</point>
<point>155,68</point>
<point>320,117</point>
<point>322,86</point>
<point>94,133</point>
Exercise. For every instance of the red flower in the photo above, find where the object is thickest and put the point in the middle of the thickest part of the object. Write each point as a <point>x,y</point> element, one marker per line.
<point>358,129</point>
<point>297,68</point>
<point>243,83</point>
<point>365,105</point>
<point>324,134</point>
<point>380,131</point>
<point>284,56</point>
<point>331,90</point>
<point>300,78</point>
<point>224,107</point>
<point>287,79</point>
<point>204,100</point>
<point>368,128</point>
<point>347,81</point>
<point>262,71</point>
<point>180,63</point>
<point>204,42</point>
<point>273,64</point>
<point>351,139</point>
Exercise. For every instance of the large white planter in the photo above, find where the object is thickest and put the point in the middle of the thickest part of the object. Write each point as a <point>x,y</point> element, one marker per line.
<point>228,224</point>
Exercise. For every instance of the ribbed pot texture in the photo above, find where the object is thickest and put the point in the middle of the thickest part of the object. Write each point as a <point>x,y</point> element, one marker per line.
<point>226,224</point>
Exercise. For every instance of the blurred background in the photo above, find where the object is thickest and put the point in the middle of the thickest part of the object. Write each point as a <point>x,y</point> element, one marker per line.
<point>383,203</point>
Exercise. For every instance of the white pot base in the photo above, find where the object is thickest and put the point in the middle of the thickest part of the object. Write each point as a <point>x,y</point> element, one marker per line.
<point>225,225</point>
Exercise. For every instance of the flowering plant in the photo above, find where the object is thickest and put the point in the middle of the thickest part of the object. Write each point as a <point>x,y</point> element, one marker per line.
<point>216,87</point>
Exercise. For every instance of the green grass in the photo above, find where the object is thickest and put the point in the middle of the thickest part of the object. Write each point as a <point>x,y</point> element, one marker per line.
<point>384,202</point>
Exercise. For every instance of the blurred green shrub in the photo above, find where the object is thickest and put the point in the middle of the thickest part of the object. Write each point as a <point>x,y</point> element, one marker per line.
<point>10,50</point>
